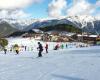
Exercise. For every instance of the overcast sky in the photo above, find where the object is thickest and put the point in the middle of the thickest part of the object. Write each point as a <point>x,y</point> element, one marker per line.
<point>48,8</point>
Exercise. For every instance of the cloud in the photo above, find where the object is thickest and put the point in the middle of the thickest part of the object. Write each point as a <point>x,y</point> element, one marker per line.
<point>98,3</point>
<point>56,7</point>
<point>83,7</point>
<point>77,7</point>
<point>14,14</point>
<point>13,4</point>
<point>14,8</point>
<point>98,16</point>
<point>80,7</point>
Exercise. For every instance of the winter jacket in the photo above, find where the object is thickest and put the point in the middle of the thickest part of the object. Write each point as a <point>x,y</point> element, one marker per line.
<point>40,47</point>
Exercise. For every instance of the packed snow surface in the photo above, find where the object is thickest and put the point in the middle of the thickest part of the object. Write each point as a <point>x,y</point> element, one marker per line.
<point>63,64</point>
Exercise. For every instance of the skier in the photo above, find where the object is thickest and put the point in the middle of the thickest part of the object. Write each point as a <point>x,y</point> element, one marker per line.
<point>56,47</point>
<point>5,50</point>
<point>25,47</point>
<point>16,49</point>
<point>62,46</point>
<point>66,46</point>
<point>11,48</point>
<point>40,48</point>
<point>46,48</point>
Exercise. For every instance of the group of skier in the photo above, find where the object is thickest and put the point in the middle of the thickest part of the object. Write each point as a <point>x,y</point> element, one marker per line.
<point>39,48</point>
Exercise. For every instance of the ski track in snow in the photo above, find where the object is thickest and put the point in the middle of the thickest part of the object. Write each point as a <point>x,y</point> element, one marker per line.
<point>67,64</point>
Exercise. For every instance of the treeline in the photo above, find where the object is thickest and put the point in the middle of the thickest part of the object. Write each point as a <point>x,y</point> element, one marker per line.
<point>61,27</point>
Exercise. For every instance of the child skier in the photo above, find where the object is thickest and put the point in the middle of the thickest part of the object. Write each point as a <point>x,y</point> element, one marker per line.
<point>46,48</point>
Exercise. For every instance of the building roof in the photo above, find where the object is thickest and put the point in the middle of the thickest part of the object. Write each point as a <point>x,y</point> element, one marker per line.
<point>37,30</point>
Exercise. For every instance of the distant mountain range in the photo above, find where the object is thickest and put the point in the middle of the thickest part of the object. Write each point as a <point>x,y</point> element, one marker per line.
<point>86,23</point>
<point>6,29</point>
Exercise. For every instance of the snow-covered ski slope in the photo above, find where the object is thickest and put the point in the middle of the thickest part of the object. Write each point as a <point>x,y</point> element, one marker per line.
<point>66,64</point>
<point>32,43</point>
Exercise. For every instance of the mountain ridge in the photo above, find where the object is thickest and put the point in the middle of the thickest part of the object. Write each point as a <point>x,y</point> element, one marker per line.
<point>86,23</point>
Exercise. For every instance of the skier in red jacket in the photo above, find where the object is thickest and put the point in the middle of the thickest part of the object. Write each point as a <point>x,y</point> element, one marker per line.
<point>46,48</point>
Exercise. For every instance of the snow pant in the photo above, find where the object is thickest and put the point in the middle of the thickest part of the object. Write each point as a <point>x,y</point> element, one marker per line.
<point>46,50</point>
<point>17,51</point>
<point>40,53</point>
<point>55,48</point>
<point>5,52</point>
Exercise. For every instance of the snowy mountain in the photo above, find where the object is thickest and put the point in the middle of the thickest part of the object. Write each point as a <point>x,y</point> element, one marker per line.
<point>19,23</point>
<point>6,29</point>
<point>48,23</point>
<point>87,23</point>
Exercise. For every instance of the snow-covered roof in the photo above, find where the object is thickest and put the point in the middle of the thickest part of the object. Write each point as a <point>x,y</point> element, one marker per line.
<point>93,35</point>
<point>88,35</point>
<point>37,30</point>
